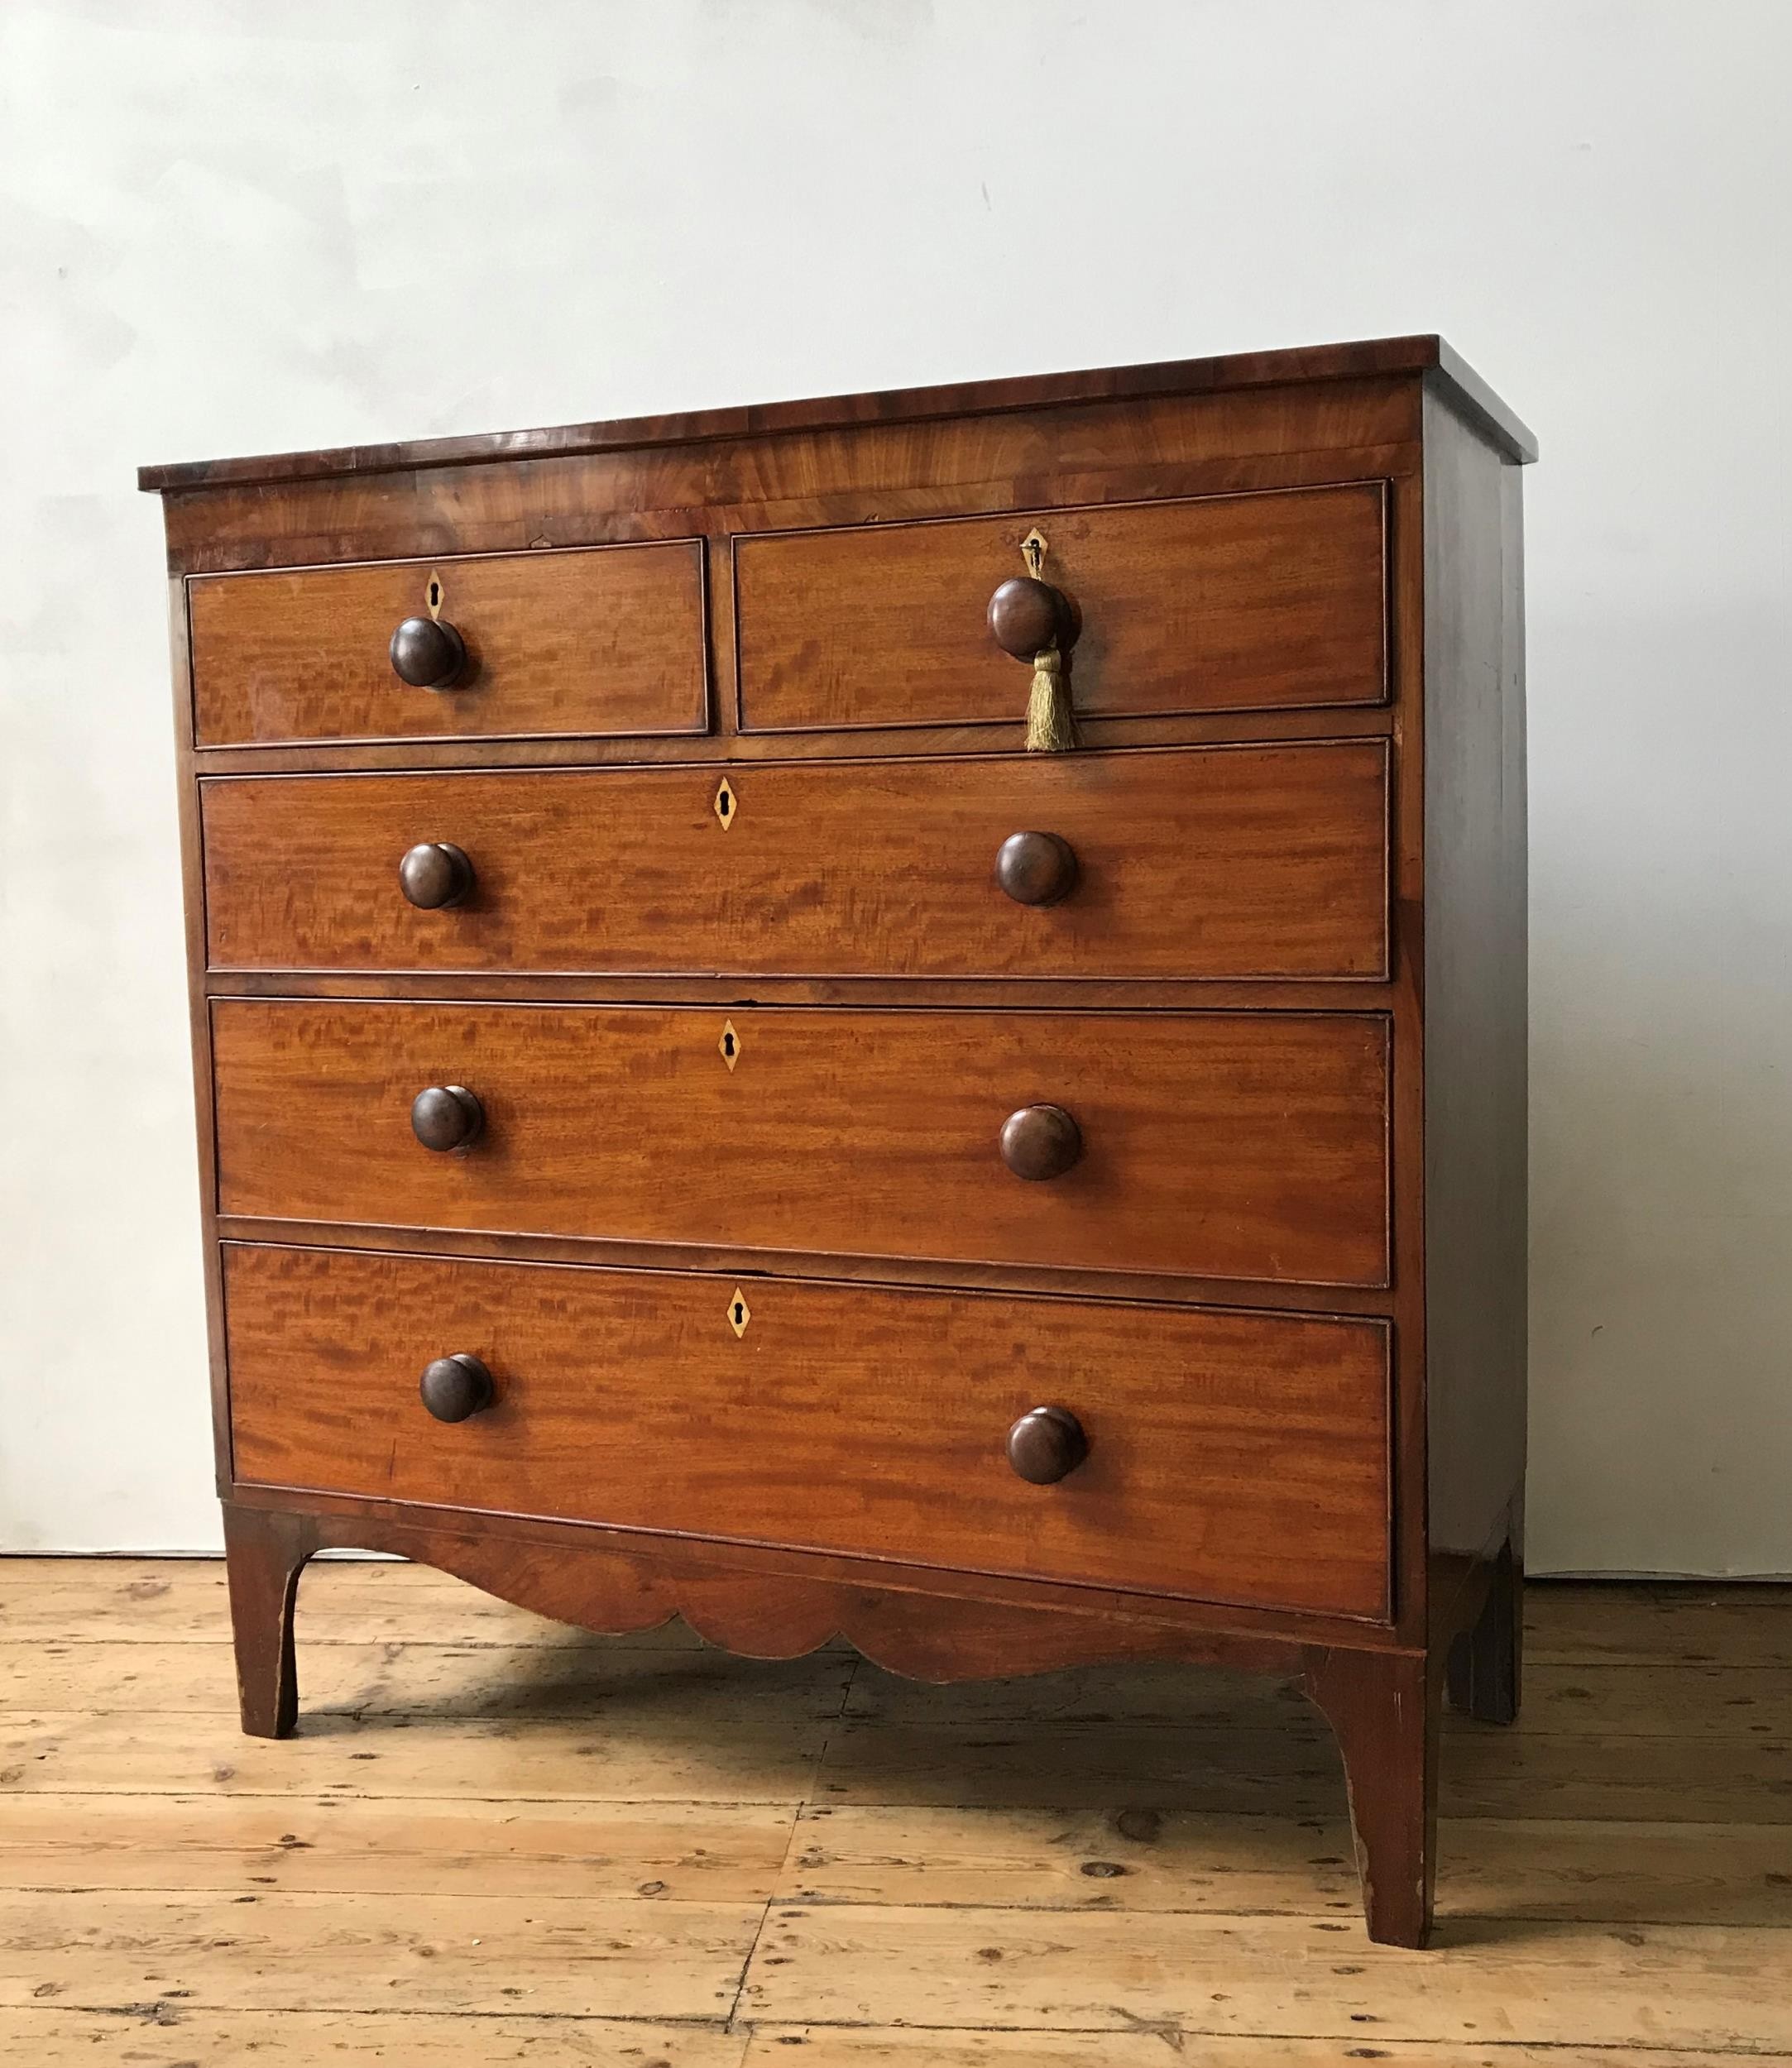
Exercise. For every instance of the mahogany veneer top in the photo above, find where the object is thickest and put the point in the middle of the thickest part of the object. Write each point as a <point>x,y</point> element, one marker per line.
<point>1419,355</point>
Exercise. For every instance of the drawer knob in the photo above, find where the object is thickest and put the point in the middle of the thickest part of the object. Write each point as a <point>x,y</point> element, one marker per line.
<point>454,1387</point>
<point>1027,615</point>
<point>434,874</point>
<point>446,1117</point>
<point>1041,1142</point>
<point>428,654</point>
<point>1036,622</point>
<point>1036,868</point>
<point>1046,1445</point>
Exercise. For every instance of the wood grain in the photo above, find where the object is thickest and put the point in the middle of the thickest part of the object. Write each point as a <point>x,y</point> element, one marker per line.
<point>1171,1861</point>
<point>1216,1144</point>
<point>397,1678</point>
<point>1426,356</point>
<point>924,1926</point>
<point>1220,603</point>
<point>49,2038</point>
<point>639,1958</point>
<point>759,1757</point>
<point>264,1553</point>
<point>773,1602</point>
<point>1690,1622</point>
<point>1293,1770</point>
<point>1233,1456</point>
<point>1256,552</point>
<point>724,1852</point>
<point>1091,452</point>
<point>1664,1986</point>
<point>1145,2044</point>
<point>1215,863</point>
<point>1607,1628</point>
<point>601,641</point>
<point>1579,1699</point>
<point>1383,1711</point>
<point>49,1601</point>
<point>159,2032</point>
<point>1675,1785</point>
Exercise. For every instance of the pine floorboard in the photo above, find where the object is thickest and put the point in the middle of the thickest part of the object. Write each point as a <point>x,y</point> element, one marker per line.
<point>495,1839</point>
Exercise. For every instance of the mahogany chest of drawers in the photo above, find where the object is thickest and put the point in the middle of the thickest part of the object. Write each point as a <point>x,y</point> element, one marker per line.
<point>901,1015</point>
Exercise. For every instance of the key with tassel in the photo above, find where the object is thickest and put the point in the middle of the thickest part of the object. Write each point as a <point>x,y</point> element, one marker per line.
<point>1035,622</point>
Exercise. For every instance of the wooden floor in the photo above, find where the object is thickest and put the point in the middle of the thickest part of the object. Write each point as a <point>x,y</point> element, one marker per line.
<point>496,1840</point>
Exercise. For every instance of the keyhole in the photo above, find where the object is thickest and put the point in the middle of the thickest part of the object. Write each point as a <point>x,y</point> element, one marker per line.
<point>727,1044</point>
<point>435,596</point>
<point>739,1314</point>
<point>724,804</point>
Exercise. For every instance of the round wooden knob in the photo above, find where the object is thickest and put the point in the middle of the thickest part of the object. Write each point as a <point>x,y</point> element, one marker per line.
<point>427,652</point>
<point>454,1387</point>
<point>446,1117</point>
<point>1036,868</point>
<point>1041,1142</point>
<point>1027,615</point>
<point>434,874</point>
<point>1046,1444</point>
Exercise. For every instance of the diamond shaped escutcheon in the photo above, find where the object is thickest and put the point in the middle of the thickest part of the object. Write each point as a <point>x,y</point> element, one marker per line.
<point>739,1313</point>
<point>729,1043</point>
<point>726,805</point>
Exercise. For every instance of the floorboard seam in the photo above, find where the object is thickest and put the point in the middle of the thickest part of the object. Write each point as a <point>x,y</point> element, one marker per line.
<point>733,2022</point>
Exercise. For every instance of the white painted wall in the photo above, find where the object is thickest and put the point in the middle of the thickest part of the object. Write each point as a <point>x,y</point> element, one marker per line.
<point>237,228</point>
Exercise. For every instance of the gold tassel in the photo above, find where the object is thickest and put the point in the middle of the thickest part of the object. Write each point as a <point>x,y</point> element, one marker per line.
<point>1050,717</point>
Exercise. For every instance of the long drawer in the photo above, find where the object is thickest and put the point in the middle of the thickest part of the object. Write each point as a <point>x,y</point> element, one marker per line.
<point>1238,862</point>
<point>1231,1456</point>
<point>1213,1144</point>
<point>1214,603</point>
<point>595,640</point>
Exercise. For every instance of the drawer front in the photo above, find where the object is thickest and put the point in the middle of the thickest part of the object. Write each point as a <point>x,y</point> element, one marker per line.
<point>1233,1456</point>
<point>1222,1145</point>
<point>1224,603</point>
<point>592,640</point>
<point>1213,862</point>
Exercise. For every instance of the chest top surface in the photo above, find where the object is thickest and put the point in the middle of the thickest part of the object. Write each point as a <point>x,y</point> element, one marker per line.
<point>1425,355</point>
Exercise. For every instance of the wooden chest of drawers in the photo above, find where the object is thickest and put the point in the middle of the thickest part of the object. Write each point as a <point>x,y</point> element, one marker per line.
<point>696,1117</point>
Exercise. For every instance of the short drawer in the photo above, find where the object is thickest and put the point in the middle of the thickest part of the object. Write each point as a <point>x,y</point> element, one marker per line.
<point>1227,862</point>
<point>1231,1457</point>
<point>592,640</point>
<point>1220,603</point>
<point>1213,1144</point>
